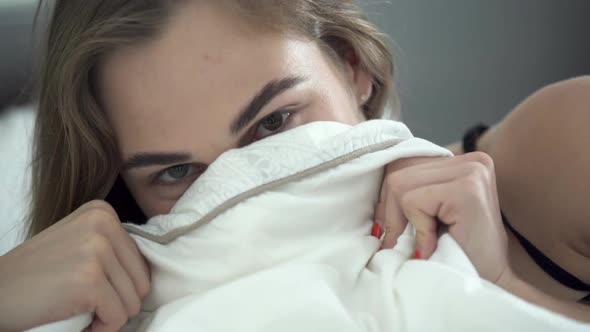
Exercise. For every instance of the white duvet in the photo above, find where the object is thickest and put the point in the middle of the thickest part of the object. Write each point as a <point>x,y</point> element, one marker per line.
<point>275,237</point>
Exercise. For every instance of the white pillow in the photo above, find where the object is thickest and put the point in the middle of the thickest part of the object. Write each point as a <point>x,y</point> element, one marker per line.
<point>16,129</point>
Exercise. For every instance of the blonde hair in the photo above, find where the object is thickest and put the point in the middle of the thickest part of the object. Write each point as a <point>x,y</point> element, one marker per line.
<point>75,156</point>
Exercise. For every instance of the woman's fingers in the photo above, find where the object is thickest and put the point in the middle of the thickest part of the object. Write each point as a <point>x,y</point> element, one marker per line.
<point>422,206</point>
<point>439,191</point>
<point>394,223</point>
<point>379,215</point>
<point>133,262</point>
<point>388,213</point>
<point>87,260</point>
<point>399,183</point>
<point>104,220</point>
<point>122,284</point>
<point>110,311</point>
<point>440,170</point>
<point>416,163</point>
<point>459,193</point>
<point>124,268</point>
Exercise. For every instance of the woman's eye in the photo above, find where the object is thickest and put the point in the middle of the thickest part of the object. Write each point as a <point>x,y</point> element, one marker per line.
<point>176,174</point>
<point>271,125</point>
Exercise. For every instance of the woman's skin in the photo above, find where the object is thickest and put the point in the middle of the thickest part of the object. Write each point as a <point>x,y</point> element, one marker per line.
<point>84,263</point>
<point>174,103</point>
<point>542,167</point>
<point>180,115</point>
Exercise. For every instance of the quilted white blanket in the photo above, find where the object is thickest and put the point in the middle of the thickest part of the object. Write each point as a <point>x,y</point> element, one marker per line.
<point>275,237</point>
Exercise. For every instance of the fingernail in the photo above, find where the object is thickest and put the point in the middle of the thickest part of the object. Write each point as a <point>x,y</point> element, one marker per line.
<point>417,254</point>
<point>377,231</point>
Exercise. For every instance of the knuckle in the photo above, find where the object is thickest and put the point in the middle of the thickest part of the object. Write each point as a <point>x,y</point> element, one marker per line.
<point>407,200</point>
<point>134,309</point>
<point>397,183</point>
<point>480,174</point>
<point>408,162</point>
<point>143,288</point>
<point>103,210</point>
<point>87,301</point>
<point>483,159</point>
<point>119,320</point>
<point>472,185</point>
<point>101,205</point>
<point>410,203</point>
<point>99,246</point>
<point>89,276</point>
<point>448,212</point>
<point>102,221</point>
<point>426,233</point>
<point>477,169</point>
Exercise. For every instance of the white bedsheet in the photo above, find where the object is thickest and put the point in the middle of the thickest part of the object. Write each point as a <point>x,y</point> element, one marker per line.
<point>275,237</point>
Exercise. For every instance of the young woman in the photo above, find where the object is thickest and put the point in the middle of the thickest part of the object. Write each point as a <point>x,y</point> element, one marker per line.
<point>138,97</point>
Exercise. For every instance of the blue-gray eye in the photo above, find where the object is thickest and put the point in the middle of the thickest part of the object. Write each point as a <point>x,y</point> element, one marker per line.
<point>176,174</point>
<point>271,125</point>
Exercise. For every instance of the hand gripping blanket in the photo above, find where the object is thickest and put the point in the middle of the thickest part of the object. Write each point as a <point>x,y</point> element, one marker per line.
<point>275,237</point>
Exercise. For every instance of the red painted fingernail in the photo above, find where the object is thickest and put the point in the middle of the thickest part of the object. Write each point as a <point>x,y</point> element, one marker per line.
<point>377,231</point>
<point>417,255</point>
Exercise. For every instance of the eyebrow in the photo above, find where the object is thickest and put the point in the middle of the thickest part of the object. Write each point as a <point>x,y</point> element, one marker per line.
<point>271,90</point>
<point>155,159</point>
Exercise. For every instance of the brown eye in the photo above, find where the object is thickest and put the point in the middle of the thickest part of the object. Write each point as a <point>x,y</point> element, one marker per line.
<point>271,125</point>
<point>273,122</point>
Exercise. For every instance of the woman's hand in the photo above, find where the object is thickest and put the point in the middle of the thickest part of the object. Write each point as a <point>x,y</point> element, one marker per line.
<point>84,263</point>
<point>459,192</point>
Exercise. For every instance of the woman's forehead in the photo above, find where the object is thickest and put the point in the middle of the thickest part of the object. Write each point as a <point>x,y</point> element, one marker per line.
<point>202,64</point>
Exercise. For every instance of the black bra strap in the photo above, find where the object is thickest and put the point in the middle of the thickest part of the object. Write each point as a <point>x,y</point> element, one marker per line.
<point>472,136</point>
<point>545,263</point>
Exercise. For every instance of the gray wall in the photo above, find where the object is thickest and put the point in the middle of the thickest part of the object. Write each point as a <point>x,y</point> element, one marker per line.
<point>16,25</point>
<point>464,61</point>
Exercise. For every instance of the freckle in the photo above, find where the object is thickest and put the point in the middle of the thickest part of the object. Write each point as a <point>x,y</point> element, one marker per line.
<point>210,58</point>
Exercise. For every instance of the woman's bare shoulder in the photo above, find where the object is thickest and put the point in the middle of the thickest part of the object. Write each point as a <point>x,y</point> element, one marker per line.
<point>542,165</point>
<point>544,141</point>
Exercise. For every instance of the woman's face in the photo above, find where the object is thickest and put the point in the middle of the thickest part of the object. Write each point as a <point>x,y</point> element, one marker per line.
<point>209,84</point>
